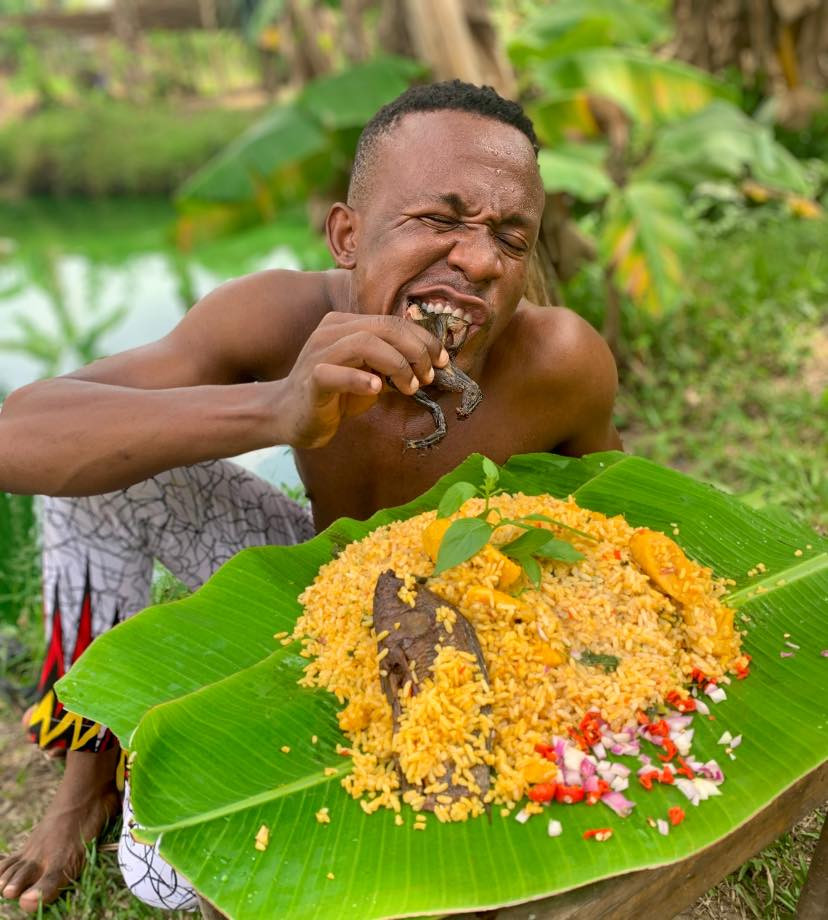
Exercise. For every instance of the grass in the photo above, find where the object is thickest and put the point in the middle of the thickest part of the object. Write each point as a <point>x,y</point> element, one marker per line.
<point>733,389</point>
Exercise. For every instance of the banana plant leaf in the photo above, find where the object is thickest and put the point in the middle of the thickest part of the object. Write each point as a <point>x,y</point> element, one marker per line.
<point>576,169</point>
<point>205,698</point>
<point>649,89</point>
<point>722,141</point>
<point>645,238</point>
<point>572,25</point>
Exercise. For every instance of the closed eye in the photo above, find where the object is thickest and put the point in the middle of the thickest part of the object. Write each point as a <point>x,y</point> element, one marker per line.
<point>438,220</point>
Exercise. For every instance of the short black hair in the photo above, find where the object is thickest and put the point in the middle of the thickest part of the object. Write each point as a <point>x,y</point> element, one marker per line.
<point>434,97</point>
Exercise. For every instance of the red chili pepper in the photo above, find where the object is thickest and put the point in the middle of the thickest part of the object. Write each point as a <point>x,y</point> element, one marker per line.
<point>666,776</point>
<point>599,833</point>
<point>568,795</point>
<point>660,728</point>
<point>676,815</point>
<point>617,553</point>
<point>697,676</point>
<point>642,717</point>
<point>670,751</point>
<point>590,728</point>
<point>579,739</point>
<point>546,751</point>
<point>677,701</point>
<point>743,671</point>
<point>594,797</point>
<point>685,769</point>
<point>542,792</point>
<point>646,779</point>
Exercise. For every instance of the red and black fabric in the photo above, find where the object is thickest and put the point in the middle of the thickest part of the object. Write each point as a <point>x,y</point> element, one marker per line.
<point>51,726</point>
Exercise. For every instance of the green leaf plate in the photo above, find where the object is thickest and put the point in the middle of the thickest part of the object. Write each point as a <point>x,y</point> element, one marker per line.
<point>206,699</point>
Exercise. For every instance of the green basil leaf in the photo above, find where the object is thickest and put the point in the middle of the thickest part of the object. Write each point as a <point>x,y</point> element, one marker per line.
<point>453,498</point>
<point>532,569</point>
<point>596,660</point>
<point>559,550</point>
<point>527,544</point>
<point>461,541</point>
<point>551,520</point>
<point>492,474</point>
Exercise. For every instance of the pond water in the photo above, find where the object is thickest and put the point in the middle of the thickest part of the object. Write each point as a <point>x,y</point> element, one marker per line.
<point>79,280</point>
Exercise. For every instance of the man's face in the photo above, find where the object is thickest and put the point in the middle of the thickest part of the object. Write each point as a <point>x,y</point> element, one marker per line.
<point>450,224</point>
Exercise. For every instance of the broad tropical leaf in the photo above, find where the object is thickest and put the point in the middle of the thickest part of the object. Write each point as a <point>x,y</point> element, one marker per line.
<point>722,141</point>
<point>644,238</point>
<point>649,89</point>
<point>578,170</point>
<point>572,25</point>
<point>206,700</point>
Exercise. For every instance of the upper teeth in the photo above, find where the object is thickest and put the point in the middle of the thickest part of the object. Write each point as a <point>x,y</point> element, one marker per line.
<point>438,306</point>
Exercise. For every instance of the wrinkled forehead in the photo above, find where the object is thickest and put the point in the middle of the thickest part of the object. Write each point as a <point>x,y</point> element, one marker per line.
<point>483,162</point>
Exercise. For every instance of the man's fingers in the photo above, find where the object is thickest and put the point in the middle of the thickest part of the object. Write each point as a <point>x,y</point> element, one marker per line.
<point>363,349</point>
<point>334,378</point>
<point>421,349</point>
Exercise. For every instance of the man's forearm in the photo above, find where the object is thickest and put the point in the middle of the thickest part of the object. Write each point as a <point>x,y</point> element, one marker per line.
<point>73,437</point>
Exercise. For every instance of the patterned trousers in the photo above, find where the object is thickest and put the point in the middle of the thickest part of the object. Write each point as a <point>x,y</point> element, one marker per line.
<point>98,556</point>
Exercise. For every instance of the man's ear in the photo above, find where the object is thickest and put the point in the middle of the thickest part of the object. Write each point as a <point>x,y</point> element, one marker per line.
<point>341,227</point>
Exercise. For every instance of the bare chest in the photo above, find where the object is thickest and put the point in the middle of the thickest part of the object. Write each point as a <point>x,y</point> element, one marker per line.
<point>367,466</point>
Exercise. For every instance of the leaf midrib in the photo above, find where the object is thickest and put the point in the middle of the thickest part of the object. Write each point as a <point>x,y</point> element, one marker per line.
<point>261,798</point>
<point>771,582</point>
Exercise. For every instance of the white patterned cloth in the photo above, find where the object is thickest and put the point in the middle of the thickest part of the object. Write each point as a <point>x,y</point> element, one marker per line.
<point>98,555</point>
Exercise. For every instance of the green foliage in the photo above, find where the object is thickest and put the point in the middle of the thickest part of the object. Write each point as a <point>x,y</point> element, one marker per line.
<point>465,537</point>
<point>568,26</point>
<point>206,793</point>
<point>300,148</point>
<point>721,141</point>
<point>106,148</point>
<point>732,388</point>
<point>19,568</point>
<point>633,135</point>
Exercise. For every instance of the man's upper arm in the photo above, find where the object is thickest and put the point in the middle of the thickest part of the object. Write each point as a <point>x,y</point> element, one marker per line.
<point>229,336</point>
<point>584,382</point>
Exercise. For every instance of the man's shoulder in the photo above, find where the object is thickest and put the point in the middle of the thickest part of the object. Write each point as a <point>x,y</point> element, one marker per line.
<point>561,344</point>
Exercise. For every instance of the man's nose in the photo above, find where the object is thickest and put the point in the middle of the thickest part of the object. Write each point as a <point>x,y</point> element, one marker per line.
<point>476,255</point>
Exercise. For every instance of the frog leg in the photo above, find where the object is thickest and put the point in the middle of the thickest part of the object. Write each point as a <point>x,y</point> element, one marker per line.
<point>439,432</point>
<point>456,381</point>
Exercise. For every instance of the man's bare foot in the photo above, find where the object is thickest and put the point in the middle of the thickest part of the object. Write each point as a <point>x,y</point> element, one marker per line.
<point>53,855</point>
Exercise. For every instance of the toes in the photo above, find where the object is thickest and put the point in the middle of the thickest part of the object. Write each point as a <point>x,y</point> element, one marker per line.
<point>47,890</point>
<point>18,876</point>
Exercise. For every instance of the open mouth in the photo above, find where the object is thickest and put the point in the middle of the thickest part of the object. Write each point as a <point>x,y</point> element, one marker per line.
<point>450,324</point>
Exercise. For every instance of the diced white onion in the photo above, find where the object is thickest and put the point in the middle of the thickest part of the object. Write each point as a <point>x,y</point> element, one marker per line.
<point>522,816</point>
<point>725,739</point>
<point>663,827</point>
<point>554,828</point>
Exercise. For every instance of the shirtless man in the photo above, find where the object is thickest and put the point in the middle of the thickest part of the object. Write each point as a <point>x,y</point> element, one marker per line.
<point>444,207</point>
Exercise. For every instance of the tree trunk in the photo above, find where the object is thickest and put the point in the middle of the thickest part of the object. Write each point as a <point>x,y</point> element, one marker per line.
<point>779,46</point>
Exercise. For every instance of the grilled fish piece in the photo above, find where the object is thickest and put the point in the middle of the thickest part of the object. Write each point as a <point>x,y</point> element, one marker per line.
<point>419,632</point>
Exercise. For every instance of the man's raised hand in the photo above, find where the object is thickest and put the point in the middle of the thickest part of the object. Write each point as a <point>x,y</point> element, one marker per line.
<point>340,372</point>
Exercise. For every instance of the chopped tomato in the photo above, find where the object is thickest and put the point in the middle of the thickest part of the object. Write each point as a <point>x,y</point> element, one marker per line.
<point>676,815</point>
<point>568,795</point>
<point>547,751</point>
<point>542,792</point>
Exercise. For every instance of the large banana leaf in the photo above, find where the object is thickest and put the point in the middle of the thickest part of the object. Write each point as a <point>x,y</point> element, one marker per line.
<point>572,25</point>
<point>645,239</point>
<point>721,141</point>
<point>205,698</point>
<point>649,89</point>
